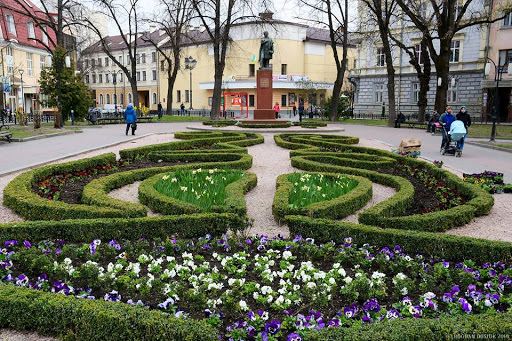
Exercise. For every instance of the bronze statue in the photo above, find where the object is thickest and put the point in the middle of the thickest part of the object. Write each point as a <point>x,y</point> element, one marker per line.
<point>266,51</point>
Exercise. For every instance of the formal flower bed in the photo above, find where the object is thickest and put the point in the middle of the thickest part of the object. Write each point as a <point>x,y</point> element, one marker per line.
<point>311,188</point>
<point>449,197</point>
<point>492,182</point>
<point>261,288</point>
<point>204,188</point>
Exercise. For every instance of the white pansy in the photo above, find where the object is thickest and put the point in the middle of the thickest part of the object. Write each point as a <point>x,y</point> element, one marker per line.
<point>332,280</point>
<point>342,272</point>
<point>243,305</point>
<point>311,285</point>
<point>269,299</point>
<point>287,254</point>
<point>404,291</point>
<point>255,295</point>
<point>348,279</point>
<point>336,265</point>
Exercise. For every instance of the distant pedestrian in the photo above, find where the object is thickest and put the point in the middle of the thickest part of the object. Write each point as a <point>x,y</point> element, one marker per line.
<point>294,109</point>
<point>277,109</point>
<point>400,118</point>
<point>159,110</point>
<point>182,107</point>
<point>130,117</point>
<point>301,110</point>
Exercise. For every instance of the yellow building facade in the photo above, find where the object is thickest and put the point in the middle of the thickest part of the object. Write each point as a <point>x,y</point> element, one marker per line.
<point>303,67</point>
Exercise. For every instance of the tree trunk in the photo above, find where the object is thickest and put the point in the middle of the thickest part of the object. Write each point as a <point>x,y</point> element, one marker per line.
<point>390,75</point>
<point>424,78</point>
<point>442,63</point>
<point>135,95</point>
<point>217,90</point>
<point>170,89</point>
<point>335,99</point>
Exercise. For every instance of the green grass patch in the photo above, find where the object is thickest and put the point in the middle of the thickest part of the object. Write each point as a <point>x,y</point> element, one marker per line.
<point>310,188</point>
<point>202,187</point>
<point>366,122</point>
<point>484,130</point>
<point>29,131</point>
<point>182,119</point>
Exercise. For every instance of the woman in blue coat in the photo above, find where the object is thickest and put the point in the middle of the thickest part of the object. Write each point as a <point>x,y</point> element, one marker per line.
<point>131,117</point>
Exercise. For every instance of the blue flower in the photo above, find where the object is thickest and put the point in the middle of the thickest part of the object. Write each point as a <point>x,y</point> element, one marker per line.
<point>164,305</point>
<point>11,243</point>
<point>112,296</point>
<point>293,337</point>
<point>27,244</point>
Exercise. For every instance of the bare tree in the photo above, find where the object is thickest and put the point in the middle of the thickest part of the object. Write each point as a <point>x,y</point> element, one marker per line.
<point>382,12</point>
<point>336,20</point>
<point>218,17</point>
<point>124,15</point>
<point>173,19</point>
<point>448,18</point>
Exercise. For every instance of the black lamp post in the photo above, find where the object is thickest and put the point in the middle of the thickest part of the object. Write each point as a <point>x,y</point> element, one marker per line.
<point>21,71</point>
<point>495,107</point>
<point>114,80</point>
<point>190,63</point>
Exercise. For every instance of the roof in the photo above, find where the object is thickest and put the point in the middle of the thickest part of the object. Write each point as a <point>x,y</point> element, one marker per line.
<point>116,43</point>
<point>321,34</point>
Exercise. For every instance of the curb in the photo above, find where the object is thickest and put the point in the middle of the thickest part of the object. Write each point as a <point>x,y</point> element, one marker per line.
<point>269,130</point>
<point>45,136</point>
<point>75,154</point>
<point>483,145</point>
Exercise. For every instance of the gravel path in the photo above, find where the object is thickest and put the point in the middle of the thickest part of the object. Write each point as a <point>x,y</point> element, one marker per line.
<point>380,193</point>
<point>130,193</point>
<point>17,335</point>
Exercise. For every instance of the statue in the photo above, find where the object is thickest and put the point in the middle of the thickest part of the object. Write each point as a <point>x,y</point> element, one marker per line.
<point>266,51</point>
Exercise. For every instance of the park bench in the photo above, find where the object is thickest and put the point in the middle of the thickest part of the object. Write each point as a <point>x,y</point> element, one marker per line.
<point>106,120</point>
<point>6,134</point>
<point>412,124</point>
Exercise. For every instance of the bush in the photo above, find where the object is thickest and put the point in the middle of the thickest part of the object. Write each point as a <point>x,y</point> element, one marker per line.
<point>83,319</point>
<point>337,208</point>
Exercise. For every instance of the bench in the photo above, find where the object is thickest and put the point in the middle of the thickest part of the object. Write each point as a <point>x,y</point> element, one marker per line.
<point>6,134</point>
<point>106,120</point>
<point>412,124</point>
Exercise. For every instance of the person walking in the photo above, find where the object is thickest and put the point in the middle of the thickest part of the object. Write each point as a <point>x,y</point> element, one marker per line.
<point>294,109</point>
<point>466,119</point>
<point>182,107</point>
<point>301,110</point>
<point>277,109</point>
<point>130,117</point>
<point>446,120</point>
<point>159,110</point>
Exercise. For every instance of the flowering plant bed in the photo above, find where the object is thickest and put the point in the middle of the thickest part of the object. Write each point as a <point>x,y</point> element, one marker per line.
<point>491,182</point>
<point>259,287</point>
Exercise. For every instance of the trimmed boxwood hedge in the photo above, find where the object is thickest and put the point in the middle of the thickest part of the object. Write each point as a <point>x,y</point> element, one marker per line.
<point>481,326</point>
<point>219,123</point>
<point>446,246</point>
<point>161,203</point>
<point>337,208</point>
<point>86,230</point>
<point>19,197</point>
<point>83,319</point>
<point>263,125</point>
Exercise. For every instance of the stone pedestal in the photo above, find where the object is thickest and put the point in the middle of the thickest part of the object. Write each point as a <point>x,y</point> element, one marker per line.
<point>264,97</point>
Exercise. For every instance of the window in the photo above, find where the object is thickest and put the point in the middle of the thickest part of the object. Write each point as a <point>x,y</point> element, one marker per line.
<point>355,63</point>
<point>415,92</point>
<point>42,62</point>
<point>107,78</point>
<point>44,35</point>
<point>505,59</point>
<point>99,62</point>
<point>283,69</point>
<point>379,93</point>
<point>153,72</point>
<point>507,21</point>
<point>452,92</point>
<point>114,98</point>
<point>144,75</point>
<point>120,77</point>
<point>87,79</point>
<point>283,100</point>
<point>419,56</point>
<point>101,99</point>
<point>454,51</point>
<point>10,61</point>
<point>143,61</point>
<point>137,58</point>
<point>423,10</point>
<point>86,63</point>
<point>178,96</point>
<point>138,76</point>
<point>252,68</point>
<point>154,98</point>
<point>128,60</point>
<point>187,96</point>
<point>30,66</point>
<point>120,59</point>
<point>129,98</point>
<point>100,78</point>
<point>162,65</point>
<point>108,98</point>
<point>251,100</point>
<point>121,99</point>
<point>153,57</point>
<point>380,56</point>
<point>93,63</point>
<point>93,78</point>
<point>30,28</point>
<point>106,61</point>
<point>10,24</point>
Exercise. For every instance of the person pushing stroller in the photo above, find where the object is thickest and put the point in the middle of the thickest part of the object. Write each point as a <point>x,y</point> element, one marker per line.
<point>456,134</point>
<point>446,120</point>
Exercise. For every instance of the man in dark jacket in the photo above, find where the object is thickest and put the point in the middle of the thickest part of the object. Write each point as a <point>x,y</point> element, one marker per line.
<point>131,117</point>
<point>446,120</point>
<point>301,109</point>
<point>464,117</point>
<point>159,110</point>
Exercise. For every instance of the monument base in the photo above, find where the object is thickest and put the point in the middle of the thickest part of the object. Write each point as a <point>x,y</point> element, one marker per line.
<point>264,114</point>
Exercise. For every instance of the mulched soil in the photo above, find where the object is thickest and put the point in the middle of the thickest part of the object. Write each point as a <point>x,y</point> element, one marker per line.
<point>71,192</point>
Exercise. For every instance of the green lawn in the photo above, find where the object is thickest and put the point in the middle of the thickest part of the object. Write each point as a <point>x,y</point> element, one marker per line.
<point>484,130</point>
<point>366,122</point>
<point>181,119</point>
<point>19,132</point>
<point>501,145</point>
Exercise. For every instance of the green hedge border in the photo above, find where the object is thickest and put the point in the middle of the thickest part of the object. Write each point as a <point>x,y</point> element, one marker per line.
<point>337,208</point>
<point>161,203</point>
<point>262,125</point>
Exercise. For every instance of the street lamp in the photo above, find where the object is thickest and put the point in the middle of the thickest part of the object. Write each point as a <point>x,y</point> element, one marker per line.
<point>114,80</point>
<point>497,77</point>
<point>190,63</point>
<point>21,71</point>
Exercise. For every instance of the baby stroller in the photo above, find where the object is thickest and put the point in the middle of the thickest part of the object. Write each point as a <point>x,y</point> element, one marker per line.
<point>450,147</point>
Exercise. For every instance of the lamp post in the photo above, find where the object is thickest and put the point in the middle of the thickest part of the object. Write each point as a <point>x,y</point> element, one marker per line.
<point>21,71</point>
<point>497,77</point>
<point>114,80</point>
<point>190,63</point>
